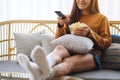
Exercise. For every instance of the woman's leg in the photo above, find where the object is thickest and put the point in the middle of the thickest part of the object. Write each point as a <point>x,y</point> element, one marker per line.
<point>76,63</point>
<point>58,54</point>
<point>30,67</point>
<point>45,64</point>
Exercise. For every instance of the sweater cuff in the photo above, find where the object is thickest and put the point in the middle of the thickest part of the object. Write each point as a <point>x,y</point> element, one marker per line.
<point>60,25</point>
<point>89,34</point>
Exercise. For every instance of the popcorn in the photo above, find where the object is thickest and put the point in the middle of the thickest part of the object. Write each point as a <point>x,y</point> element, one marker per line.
<point>76,25</point>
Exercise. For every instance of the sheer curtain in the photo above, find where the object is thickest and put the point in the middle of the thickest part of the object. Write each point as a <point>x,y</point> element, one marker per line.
<point>110,8</point>
<point>44,9</point>
<point>33,9</point>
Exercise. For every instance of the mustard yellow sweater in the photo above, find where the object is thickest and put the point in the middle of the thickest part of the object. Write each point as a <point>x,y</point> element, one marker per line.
<point>99,33</point>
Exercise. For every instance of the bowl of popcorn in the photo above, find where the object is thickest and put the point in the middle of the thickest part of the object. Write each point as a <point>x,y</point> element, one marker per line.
<point>76,25</point>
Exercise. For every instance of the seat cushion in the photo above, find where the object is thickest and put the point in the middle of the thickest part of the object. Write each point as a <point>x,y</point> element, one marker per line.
<point>111,57</point>
<point>11,66</point>
<point>102,74</point>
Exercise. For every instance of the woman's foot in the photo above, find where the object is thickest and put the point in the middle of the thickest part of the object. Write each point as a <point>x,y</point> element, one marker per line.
<point>30,67</point>
<point>38,55</point>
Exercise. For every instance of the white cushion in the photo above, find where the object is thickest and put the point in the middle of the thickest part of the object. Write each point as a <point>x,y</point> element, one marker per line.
<point>76,44</point>
<point>25,42</point>
<point>46,42</point>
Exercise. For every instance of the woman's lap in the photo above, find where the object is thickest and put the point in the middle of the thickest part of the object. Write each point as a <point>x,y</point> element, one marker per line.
<point>77,63</point>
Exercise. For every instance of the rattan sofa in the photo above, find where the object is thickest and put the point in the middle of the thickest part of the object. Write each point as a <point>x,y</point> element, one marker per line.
<point>9,67</point>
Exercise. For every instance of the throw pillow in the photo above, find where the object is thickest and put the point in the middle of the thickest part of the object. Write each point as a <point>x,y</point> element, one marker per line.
<point>46,42</point>
<point>111,57</point>
<point>25,42</point>
<point>115,39</point>
<point>75,44</point>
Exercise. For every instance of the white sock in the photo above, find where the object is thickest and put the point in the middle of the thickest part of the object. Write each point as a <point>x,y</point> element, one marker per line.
<point>38,55</point>
<point>30,67</point>
<point>51,61</point>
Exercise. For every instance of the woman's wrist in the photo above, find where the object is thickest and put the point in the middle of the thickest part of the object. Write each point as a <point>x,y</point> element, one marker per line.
<point>60,25</point>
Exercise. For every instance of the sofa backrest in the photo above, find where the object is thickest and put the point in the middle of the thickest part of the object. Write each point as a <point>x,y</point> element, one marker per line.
<point>114,27</point>
<point>7,28</point>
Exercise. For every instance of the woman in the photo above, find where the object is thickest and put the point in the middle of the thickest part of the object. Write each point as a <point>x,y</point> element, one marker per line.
<point>61,60</point>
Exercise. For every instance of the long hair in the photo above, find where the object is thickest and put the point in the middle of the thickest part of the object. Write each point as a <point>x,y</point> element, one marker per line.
<point>76,13</point>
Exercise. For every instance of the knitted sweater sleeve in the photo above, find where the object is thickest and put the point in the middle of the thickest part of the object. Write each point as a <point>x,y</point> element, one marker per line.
<point>61,31</point>
<point>102,40</point>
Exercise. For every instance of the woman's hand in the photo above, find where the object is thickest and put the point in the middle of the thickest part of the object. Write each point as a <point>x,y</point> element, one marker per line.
<point>63,21</point>
<point>82,31</point>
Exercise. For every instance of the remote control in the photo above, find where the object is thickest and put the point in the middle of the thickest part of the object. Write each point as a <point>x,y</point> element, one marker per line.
<point>60,14</point>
